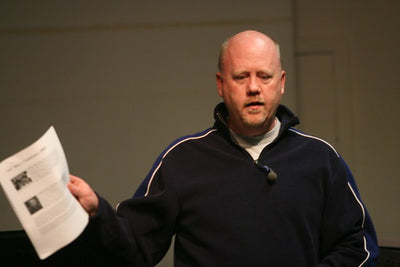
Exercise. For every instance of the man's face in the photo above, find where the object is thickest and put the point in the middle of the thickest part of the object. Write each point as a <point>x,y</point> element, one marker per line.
<point>251,84</point>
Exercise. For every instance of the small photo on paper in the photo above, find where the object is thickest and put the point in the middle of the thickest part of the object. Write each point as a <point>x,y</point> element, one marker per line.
<point>33,205</point>
<point>21,180</point>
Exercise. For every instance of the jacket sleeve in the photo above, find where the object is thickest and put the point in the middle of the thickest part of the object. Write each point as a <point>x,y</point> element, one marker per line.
<point>139,231</point>
<point>342,239</point>
<point>370,234</point>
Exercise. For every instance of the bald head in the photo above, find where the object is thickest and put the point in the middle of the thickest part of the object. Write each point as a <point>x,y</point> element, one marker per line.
<point>247,40</point>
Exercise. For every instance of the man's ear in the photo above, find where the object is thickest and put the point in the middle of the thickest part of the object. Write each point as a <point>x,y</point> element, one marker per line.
<point>283,82</point>
<point>219,81</point>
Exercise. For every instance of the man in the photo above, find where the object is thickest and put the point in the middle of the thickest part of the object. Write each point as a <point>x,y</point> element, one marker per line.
<point>250,191</point>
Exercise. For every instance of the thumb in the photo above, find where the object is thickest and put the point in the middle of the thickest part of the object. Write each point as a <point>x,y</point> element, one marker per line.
<point>84,194</point>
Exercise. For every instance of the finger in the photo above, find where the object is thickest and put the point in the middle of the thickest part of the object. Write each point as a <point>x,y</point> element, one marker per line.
<point>74,185</point>
<point>74,179</point>
<point>73,189</point>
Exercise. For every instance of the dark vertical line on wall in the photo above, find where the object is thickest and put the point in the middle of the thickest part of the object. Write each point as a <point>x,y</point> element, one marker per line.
<point>295,45</point>
<point>336,101</point>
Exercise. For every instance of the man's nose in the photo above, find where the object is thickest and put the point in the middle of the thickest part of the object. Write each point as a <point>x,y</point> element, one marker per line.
<point>253,87</point>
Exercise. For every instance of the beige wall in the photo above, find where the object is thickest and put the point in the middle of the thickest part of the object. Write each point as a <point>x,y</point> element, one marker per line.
<point>119,82</point>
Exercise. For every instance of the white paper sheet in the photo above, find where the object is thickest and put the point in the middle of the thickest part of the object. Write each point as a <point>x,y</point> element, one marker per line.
<point>35,182</point>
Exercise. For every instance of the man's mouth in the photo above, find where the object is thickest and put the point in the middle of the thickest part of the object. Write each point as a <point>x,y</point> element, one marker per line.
<point>254,104</point>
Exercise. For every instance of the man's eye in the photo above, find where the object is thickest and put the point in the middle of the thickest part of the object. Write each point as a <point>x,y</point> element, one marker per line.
<point>238,77</point>
<point>265,77</point>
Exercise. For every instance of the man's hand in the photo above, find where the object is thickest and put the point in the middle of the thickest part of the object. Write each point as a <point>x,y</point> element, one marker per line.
<point>84,194</point>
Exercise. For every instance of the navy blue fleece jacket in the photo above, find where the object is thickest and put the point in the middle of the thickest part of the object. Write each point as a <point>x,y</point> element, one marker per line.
<point>217,201</point>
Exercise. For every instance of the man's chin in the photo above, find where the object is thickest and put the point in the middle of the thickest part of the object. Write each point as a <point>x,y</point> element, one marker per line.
<point>255,124</point>
<point>253,120</point>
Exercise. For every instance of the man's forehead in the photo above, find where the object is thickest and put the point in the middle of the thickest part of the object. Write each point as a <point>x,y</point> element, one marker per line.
<point>241,60</point>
